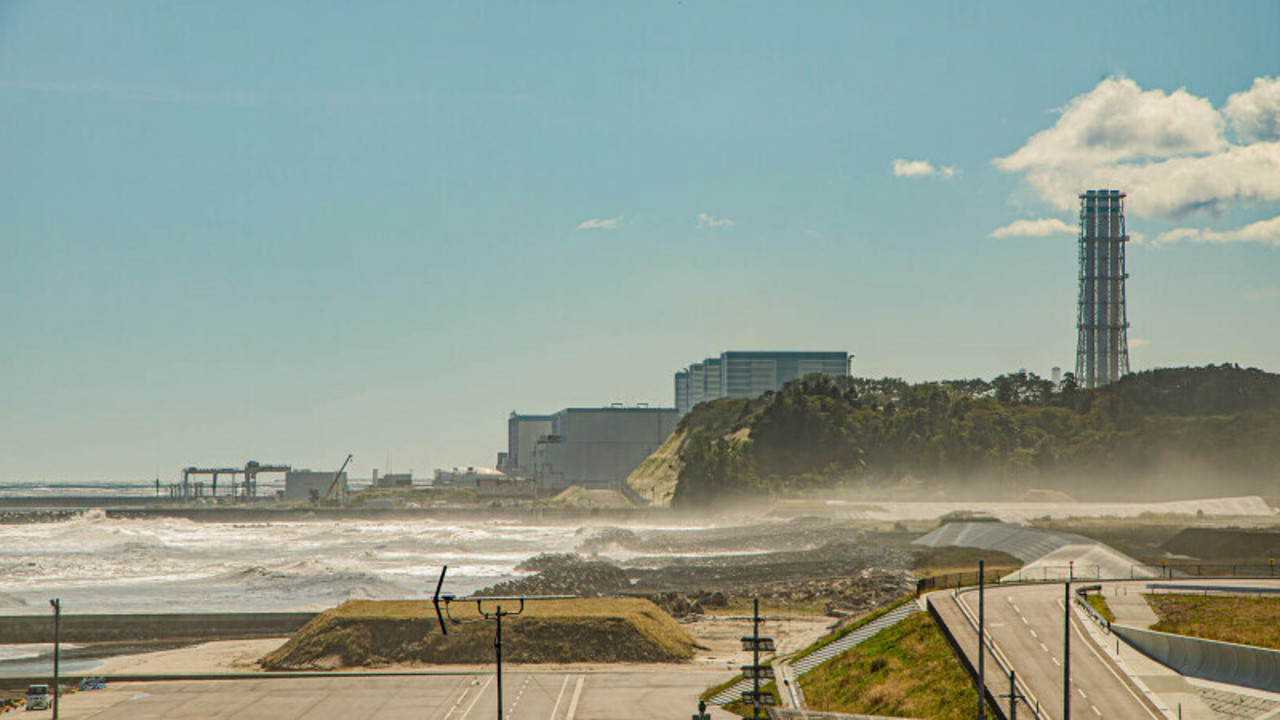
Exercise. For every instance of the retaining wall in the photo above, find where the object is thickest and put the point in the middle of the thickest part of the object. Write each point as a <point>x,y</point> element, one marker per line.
<point>1208,659</point>
<point>16,629</point>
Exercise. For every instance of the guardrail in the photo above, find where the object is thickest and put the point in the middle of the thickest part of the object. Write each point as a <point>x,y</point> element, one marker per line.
<point>1092,573</point>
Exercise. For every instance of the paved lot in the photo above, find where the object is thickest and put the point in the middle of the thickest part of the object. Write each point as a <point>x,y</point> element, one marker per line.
<point>616,695</point>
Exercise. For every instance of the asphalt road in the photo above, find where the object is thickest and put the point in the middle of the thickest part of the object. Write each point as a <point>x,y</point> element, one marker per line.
<point>619,695</point>
<point>1026,624</point>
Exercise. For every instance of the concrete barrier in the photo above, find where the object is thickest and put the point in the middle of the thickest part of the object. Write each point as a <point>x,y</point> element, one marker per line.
<point>21,629</point>
<point>1229,663</point>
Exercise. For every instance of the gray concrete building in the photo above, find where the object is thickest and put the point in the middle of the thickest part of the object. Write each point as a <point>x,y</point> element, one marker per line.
<point>523,432</point>
<point>599,447</point>
<point>749,374</point>
<point>299,485</point>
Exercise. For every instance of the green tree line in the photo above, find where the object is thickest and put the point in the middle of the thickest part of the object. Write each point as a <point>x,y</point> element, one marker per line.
<point>1165,432</point>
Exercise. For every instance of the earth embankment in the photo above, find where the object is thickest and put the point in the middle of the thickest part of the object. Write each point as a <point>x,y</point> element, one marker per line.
<point>365,633</point>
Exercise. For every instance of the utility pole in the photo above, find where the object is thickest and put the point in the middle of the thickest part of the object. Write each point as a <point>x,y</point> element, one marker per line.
<point>755,643</point>
<point>1066,651</point>
<point>57,633</point>
<point>1013,695</point>
<point>982,644</point>
<point>496,614</point>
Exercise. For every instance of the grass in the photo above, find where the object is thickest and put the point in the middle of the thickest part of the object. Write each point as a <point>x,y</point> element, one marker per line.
<point>822,642</point>
<point>1099,605</point>
<point>943,560</point>
<point>1243,620</point>
<point>367,633</point>
<point>907,670</point>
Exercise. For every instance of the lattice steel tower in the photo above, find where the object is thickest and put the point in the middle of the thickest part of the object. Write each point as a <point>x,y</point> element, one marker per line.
<point>1102,347</point>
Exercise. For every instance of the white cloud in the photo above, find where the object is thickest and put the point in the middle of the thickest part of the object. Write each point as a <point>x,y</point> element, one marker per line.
<point>612,223</point>
<point>1168,151</point>
<point>706,221</point>
<point>1042,227</point>
<point>1266,232</point>
<point>922,168</point>
<point>1138,342</point>
<point>1255,113</point>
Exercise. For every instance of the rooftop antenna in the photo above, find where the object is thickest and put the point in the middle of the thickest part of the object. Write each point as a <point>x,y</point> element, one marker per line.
<point>493,612</point>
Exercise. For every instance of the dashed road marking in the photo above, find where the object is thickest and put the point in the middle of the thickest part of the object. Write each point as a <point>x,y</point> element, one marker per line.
<point>1094,708</point>
<point>1044,647</point>
<point>1034,635</point>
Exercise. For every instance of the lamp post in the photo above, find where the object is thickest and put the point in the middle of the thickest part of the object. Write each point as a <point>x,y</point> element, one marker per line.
<point>1066,651</point>
<point>982,655</point>
<point>496,613</point>
<point>57,632</point>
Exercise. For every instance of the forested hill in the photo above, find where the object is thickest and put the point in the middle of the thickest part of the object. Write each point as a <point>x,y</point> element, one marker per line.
<point>1160,434</point>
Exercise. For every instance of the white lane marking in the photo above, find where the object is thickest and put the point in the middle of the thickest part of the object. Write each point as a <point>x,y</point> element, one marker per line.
<point>577,693</point>
<point>1081,691</point>
<point>1024,621</point>
<point>478,695</point>
<point>1034,635</point>
<point>1125,684</point>
<point>514,703</point>
<point>1055,661</point>
<point>1094,708</point>
<point>556,708</point>
<point>1044,647</point>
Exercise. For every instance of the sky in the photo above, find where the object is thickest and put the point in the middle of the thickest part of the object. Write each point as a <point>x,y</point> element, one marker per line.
<point>290,231</point>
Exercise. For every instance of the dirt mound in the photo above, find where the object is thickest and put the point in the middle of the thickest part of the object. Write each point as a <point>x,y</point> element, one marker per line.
<point>365,633</point>
<point>1225,544</point>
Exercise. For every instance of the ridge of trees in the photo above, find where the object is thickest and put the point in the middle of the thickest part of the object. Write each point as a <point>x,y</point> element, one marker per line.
<point>1152,430</point>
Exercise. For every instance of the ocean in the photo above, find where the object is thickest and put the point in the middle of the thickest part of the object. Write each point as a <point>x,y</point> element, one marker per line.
<point>100,565</point>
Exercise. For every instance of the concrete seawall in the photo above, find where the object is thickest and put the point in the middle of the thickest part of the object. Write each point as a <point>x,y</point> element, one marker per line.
<point>20,629</point>
<point>1244,665</point>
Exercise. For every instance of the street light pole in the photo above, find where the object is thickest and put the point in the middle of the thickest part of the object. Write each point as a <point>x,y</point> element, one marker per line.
<point>57,632</point>
<point>982,644</point>
<point>1066,652</point>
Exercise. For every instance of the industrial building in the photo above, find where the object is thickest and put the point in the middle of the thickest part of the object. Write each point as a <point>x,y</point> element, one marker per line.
<point>523,432</point>
<point>310,485</point>
<point>392,480</point>
<point>1102,345</point>
<point>468,477</point>
<point>749,374</point>
<point>595,447</point>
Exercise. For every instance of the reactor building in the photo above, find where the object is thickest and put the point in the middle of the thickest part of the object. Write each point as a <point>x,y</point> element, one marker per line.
<point>1102,345</point>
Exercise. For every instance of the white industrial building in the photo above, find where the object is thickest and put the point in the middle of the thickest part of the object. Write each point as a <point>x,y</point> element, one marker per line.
<point>750,374</point>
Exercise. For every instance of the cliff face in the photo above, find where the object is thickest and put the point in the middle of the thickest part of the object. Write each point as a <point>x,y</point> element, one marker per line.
<point>1161,434</point>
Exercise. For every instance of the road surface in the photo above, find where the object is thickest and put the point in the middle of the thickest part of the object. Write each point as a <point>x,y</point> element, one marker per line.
<point>614,694</point>
<point>1025,622</point>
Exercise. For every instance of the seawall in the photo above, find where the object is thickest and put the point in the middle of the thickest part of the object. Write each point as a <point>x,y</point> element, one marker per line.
<point>20,629</point>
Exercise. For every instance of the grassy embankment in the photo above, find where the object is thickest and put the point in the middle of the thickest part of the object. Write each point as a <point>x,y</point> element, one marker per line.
<point>363,633</point>
<point>1243,620</point>
<point>906,670</point>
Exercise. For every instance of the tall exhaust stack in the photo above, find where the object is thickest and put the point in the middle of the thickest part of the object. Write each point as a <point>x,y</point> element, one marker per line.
<point>1102,346</point>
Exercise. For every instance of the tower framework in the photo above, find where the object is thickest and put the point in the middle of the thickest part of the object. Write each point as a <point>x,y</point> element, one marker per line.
<point>1102,346</point>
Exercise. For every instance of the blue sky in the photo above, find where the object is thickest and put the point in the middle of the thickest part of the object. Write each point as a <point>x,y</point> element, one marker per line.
<point>288,231</point>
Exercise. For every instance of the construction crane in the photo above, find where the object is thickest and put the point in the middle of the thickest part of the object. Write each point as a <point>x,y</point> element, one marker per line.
<point>337,476</point>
